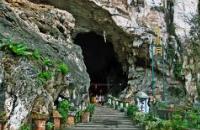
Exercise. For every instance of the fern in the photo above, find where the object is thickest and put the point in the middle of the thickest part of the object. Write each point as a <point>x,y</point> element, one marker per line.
<point>47,62</point>
<point>19,49</point>
<point>45,75</point>
<point>63,68</point>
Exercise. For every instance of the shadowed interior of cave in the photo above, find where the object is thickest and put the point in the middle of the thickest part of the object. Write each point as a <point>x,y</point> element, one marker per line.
<point>105,71</point>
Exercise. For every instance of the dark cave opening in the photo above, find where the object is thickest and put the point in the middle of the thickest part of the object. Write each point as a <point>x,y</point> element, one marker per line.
<point>103,67</point>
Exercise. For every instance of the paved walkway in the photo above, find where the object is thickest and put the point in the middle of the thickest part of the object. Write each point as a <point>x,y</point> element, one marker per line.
<point>105,118</point>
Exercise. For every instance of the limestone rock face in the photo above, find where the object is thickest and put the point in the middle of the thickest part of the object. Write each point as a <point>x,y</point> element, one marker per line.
<point>183,13</point>
<point>131,25</point>
<point>47,30</point>
<point>171,20</point>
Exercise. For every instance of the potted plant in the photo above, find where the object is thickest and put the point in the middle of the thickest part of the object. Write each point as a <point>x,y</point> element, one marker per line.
<point>40,120</point>
<point>93,100</point>
<point>56,119</point>
<point>91,108</point>
<point>63,109</point>
<point>71,118</point>
<point>78,116</point>
<point>85,117</point>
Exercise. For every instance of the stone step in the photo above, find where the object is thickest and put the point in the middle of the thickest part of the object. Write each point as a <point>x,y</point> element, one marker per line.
<point>110,119</point>
<point>108,113</point>
<point>88,128</point>
<point>104,126</point>
<point>103,114</point>
<point>113,122</point>
<point>106,119</point>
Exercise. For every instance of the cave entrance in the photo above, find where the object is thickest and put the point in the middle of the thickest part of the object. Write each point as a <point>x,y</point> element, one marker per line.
<point>103,67</point>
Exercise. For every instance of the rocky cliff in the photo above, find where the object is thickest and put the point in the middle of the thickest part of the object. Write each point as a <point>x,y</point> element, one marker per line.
<point>29,84</point>
<point>48,26</point>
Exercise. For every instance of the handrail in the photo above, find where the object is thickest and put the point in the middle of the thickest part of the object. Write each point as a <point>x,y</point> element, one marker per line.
<point>117,103</point>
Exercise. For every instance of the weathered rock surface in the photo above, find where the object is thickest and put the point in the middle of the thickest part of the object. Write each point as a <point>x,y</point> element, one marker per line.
<point>131,25</point>
<point>146,19</point>
<point>48,30</point>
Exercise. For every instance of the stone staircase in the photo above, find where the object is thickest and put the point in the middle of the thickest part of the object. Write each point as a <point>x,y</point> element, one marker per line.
<point>105,118</point>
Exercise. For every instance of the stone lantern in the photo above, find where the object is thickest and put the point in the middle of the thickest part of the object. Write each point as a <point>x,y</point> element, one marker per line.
<point>142,102</point>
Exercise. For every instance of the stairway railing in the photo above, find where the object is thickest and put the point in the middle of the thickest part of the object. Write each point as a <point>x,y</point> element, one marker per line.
<point>117,104</point>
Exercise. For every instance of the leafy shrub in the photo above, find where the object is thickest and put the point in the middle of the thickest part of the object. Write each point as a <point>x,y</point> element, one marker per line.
<point>90,108</point>
<point>63,108</point>
<point>63,68</point>
<point>162,105</point>
<point>131,109</point>
<point>139,117</point>
<point>25,127</point>
<point>49,125</point>
<point>166,125</point>
<point>151,125</point>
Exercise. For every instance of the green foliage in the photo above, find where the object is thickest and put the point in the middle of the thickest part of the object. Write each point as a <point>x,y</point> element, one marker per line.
<point>49,125</point>
<point>195,45</point>
<point>131,109</point>
<point>171,29</point>
<point>152,125</point>
<point>63,108</point>
<point>162,105</point>
<point>2,115</point>
<point>63,68</point>
<point>25,127</point>
<point>166,125</point>
<point>78,116</point>
<point>178,70</point>
<point>47,62</point>
<point>90,108</point>
<point>36,54</point>
<point>170,54</point>
<point>19,49</point>
<point>180,120</point>
<point>139,117</point>
<point>46,75</point>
